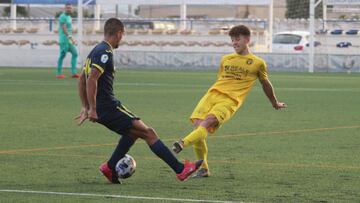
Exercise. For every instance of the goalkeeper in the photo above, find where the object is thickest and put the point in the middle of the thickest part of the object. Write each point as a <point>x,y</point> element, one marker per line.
<point>66,42</point>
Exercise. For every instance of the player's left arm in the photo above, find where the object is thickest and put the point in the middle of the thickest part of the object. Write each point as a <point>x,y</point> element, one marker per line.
<point>70,37</point>
<point>63,27</point>
<point>268,88</point>
<point>270,93</point>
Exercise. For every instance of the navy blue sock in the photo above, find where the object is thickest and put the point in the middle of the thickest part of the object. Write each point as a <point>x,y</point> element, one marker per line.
<point>121,149</point>
<point>165,154</point>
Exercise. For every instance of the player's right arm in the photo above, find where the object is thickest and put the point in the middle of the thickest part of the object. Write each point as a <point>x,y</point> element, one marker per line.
<point>221,67</point>
<point>83,98</point>
<point>91,89</point>
<point>82,90</point>
<point>270,93</point>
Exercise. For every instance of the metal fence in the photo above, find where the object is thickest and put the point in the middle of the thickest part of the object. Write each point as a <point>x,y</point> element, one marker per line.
<point>162,44</point>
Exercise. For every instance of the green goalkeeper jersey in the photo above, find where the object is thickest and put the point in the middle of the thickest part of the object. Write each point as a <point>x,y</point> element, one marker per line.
<point>66,20</point>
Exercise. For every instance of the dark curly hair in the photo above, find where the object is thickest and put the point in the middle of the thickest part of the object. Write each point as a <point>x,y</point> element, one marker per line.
<point>239,30</point>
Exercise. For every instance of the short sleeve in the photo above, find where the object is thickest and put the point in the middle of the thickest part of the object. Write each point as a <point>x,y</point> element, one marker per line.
<point>100,61</point>
<point>262,74</point>
<point>221,67</point>
<point>62,19</point>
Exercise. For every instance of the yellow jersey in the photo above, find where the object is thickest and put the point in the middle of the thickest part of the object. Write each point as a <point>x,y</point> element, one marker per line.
<point>237,75</point>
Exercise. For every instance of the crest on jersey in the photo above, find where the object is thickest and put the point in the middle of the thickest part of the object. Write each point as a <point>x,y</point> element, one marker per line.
<point>104,58</point>
<point>249,61</point>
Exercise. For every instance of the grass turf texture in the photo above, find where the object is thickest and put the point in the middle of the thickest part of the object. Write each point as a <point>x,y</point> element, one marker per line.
<point>306,153</point>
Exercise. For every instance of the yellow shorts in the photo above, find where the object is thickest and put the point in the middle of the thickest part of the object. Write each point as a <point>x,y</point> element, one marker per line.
<point>217,104</point>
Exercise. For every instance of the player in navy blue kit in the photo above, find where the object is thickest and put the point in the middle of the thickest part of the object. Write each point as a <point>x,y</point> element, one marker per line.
<point>98,104</point>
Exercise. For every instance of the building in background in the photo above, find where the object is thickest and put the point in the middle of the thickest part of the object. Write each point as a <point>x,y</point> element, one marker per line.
<point>193,11</point>
<point>212,11</point>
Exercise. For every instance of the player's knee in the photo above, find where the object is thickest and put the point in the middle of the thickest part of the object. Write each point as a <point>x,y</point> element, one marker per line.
<point>150,133</point>
<point>210,122</point>
<point>196,122</point>
<point>74,54</point>
<point>62,55</point>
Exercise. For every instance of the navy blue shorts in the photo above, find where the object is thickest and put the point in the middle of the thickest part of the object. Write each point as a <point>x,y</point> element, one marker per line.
<point>118,119</point>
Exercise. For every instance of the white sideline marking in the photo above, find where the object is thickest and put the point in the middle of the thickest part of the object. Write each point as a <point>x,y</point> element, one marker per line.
<point>113,196</point>
<point>60,83</point>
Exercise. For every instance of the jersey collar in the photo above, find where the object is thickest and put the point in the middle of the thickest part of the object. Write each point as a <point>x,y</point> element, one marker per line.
<point>109,45</point>
<point>245,55</point>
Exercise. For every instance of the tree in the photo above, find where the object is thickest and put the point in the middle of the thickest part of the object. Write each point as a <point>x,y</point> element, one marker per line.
<point>342,17</point>
<point>300,9</point>
<point>74,14</point>
<point>20,11</point>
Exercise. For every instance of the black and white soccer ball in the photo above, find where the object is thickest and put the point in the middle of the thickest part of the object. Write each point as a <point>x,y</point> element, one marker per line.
<point>126,167</point>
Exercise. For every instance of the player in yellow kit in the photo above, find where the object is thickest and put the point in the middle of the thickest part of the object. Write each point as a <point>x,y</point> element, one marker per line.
<point>237,74</point>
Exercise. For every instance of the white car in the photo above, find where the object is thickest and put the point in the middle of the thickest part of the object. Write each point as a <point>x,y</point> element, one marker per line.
<point>291,42</point>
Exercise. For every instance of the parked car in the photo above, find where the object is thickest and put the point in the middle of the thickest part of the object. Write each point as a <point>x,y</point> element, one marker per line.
<point>336,32</point>
<point>148,25</point>
<point>343,44</point>
<point>292,42</point>
<point>352,32</point>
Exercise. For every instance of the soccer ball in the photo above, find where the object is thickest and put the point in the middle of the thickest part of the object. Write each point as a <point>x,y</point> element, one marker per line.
<point>125,167</point>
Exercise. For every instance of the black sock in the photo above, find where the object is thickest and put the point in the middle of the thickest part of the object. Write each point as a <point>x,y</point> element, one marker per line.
<point>165,154</point>
<point>121,149</point>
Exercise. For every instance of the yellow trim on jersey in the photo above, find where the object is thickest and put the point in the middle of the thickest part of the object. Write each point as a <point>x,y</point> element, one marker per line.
<point>125,109</point>
<point>125,112</point>
<point>87,66</point>
<point>98,67</point>
<point>109,45</point>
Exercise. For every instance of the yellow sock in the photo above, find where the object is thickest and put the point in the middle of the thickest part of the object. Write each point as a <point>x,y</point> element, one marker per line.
<point>201,151</point>
<point>196,135</point>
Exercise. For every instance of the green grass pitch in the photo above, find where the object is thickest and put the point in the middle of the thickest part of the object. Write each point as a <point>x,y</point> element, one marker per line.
<point>308,152</point>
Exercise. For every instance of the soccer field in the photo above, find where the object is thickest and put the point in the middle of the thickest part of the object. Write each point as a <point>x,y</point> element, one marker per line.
<point>308,152</point>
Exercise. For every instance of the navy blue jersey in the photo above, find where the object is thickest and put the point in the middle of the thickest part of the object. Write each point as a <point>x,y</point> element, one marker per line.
<point>101,58</point>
